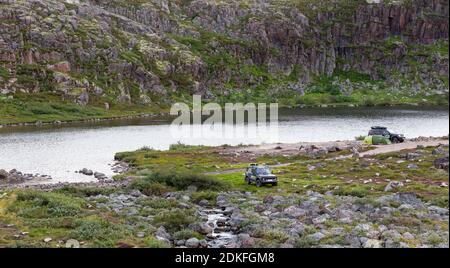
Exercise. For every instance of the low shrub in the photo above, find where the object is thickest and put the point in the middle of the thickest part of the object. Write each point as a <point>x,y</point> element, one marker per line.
<point>152,242</point>
<point>186,234</point>
<point>84,191</point>
<point>158,203</point>
<point>183,147</point>
<point>100,233</point>
<point>271,235</point>
<point>161,182</point>
<point>35,204</point>
<point>181,181</point>
<point>204,195</point>
<point>150,187</point>
<point>174,220</point>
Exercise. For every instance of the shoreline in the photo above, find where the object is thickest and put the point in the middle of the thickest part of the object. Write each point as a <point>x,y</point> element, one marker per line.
<point>80,121</point>
<point>163,114</point>
<point>269,149</point>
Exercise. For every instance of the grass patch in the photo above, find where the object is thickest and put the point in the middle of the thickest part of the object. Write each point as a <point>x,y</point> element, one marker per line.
<point>101,233</point>
<point>150,187</point>
<point>186,234</point>
<point>179,181</point>
<point>174,220</point>
<point>37,204</point>
<point>204,195</point>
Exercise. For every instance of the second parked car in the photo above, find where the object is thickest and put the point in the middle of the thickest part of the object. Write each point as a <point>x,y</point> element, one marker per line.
<point>382,131</point>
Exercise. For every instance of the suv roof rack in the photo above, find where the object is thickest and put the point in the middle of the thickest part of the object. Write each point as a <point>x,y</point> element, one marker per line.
<point>379,127</point>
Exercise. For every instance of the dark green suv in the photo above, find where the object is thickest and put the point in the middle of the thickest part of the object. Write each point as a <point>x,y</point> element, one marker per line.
<point>260,175</point>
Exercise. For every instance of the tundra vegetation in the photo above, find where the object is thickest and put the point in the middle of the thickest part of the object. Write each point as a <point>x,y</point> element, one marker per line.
<point>398,199</point>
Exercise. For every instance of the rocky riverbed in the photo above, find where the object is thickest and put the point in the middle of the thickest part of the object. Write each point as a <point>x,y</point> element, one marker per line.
<point>238,219</point>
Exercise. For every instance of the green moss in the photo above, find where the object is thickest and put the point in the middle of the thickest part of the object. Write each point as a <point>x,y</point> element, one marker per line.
<point>4,73</point>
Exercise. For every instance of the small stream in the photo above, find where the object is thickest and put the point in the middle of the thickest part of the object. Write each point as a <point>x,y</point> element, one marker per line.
<point>222,236</point>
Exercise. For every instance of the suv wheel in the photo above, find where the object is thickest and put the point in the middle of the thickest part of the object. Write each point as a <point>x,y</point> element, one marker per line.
<point>247,179</point>
<point>395,140</point>
<point>274,184</point>
<point>258,183</point>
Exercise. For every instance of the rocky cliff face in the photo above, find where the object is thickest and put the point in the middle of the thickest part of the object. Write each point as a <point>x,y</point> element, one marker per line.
<point>154,51</point>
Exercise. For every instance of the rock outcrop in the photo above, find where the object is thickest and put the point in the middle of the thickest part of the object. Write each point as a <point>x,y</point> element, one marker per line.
<point>144,51</point>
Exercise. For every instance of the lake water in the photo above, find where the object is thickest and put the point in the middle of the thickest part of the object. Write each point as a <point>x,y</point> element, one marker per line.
<point>60,151</point>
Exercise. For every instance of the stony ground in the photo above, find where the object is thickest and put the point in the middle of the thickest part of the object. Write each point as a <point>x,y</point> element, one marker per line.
<point>326,199</point>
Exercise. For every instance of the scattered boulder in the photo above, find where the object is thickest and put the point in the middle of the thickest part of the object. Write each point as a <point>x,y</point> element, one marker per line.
<point>222,201</point>
<point>316,237</point>
<point>72,243</point>
<point>412,156</point>
<point>393,185</point>
<point>245,240</point>
<point>440,150</point>
<point>140,234</point>
<point>203,203</point>
<point>86,172</point>
<point>259,208</point>
<point>442,163</point>
<point>192,243</point>
<point>373,243</point>
<point>294,212</point>
<point>321,219</point>
<point>100,176</point>
<point>268,199</point>
<point>202,228</point>
<point>412,166</point>
<point>3,174</point>
<point>162,235</point>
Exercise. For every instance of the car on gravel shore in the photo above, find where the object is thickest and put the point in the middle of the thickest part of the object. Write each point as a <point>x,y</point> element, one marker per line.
<point>382,131</point>
<point>260,175</point>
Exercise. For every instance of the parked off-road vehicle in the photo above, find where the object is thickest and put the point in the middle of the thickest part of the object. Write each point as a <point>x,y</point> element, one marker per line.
<point>382,131</point>
<point>260,175</point>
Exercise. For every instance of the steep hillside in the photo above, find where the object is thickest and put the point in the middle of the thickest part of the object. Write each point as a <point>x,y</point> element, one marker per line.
<point>115,55</point>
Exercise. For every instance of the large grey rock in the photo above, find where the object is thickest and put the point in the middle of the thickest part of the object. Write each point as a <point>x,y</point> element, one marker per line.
<point>162,235</point>
<point>373,243</point>
<point>316,237</point>
<point>192,243</point>
<point>3,175</point>
<point>202,228</point>
<point>222,201</point>
<point>294,212</point>
<point>392,185</point>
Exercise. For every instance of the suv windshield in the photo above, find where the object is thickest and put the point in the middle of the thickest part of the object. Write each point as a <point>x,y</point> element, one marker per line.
<point>262,171</point>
